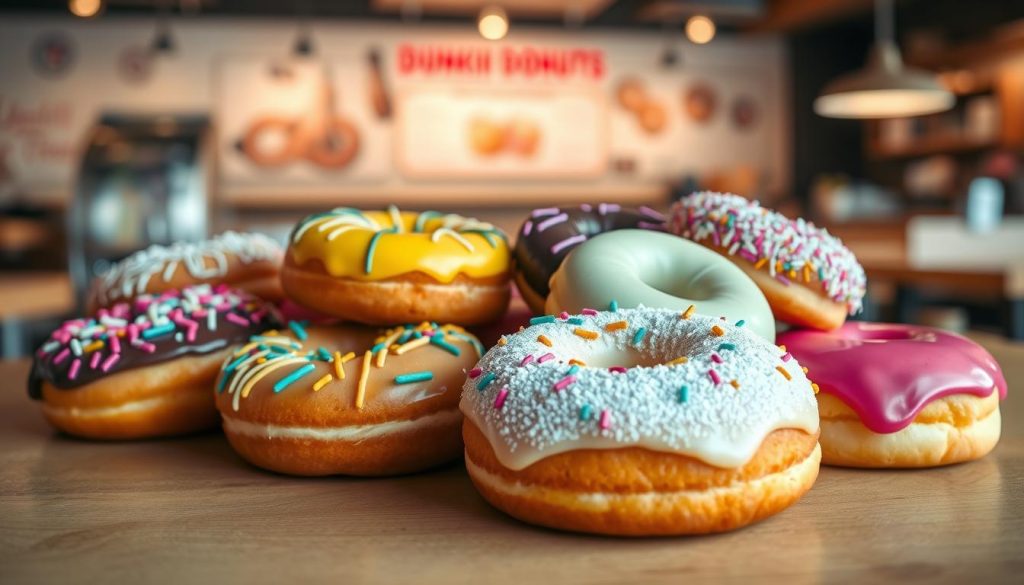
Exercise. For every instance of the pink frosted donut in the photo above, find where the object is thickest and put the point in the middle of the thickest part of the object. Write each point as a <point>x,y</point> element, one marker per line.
<point>901,395</point>
<point>808,276</point>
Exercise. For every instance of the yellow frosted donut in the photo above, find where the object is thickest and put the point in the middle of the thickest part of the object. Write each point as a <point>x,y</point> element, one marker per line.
<point>384,267</point>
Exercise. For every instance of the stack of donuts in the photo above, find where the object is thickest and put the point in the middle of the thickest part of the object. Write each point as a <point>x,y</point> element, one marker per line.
<point>675,374</point>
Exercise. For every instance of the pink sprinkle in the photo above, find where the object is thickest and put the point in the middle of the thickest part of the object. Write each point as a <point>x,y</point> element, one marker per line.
<point>561,384</point>
<point>646,225</point>
<point>787,356</point>
<point>258,315</point>
<point>527,227</point>
<point>544,211</point>
<point>568,242</point>
<point>561,217</point>
<point>714,376</point>
<point>747,256</point>
<point>585,207</point>
<point>617,369</point>
<point>133,332</point>
<point>205,298</point>
<point>146,347</point>
<point>590,312</point>
<point>63,355</point>
<point>223,307</point>
<point>199,313</point>
<point>115,343</point>
<point>190,332</point>
<point>219,289</point>
<point>237,320</point>
<point>651,213</point>
<point>563,315</point>
<point>716,358</point>
<point>73,370</point>
<point>546,357</point>
<point>110,361</point>
<point>141,304</point>
<point>499,401</point>
<point>604,208</point>
<point>474,373</point>
<point>526,360</point>
<point>176,314</point>
<point>606,420</point>
<point>94,362</point>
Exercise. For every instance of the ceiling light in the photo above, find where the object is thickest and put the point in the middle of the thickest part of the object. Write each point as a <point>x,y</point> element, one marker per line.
<point>492,23</point>
<point>884,88</point>
<point>700,29</point>
<point>85,8</point>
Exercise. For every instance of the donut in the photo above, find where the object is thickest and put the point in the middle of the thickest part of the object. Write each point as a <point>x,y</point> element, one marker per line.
<point>146,368</point>
<point>387,267</point>
<point>549,234</point>
<point>808,276</point>
<point>242,260</point>
<point>283,148</point>
<point>901,395</point>
<point>347,399</point>
<point>643,268</point>
<point>639,422</point>
<point>335,145</point>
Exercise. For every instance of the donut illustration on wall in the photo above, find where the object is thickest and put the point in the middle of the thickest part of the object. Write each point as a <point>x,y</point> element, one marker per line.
<point>490,137</point>
<point>631,95</point>
<point>700,102</point>
<point>744,112</point>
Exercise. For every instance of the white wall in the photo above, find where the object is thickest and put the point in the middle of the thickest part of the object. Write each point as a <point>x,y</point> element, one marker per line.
<point>187,81</point>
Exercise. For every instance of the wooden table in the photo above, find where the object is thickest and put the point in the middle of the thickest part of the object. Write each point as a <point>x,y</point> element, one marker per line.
<point>189,511</point>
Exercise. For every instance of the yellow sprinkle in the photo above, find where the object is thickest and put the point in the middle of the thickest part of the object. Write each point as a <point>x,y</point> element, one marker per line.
<point>339,366</point>
<point>717,331</point>
<point>586,333</point>
<point>245,348</point>
<point>783,371</point>
<point>815,388</point>
<point>322,382</point>
<point>804,368</point>
<point>270,332</point>
<point>364,374</point>
<point>807,273</point>
<point>760,263</point>
<point>502,341</point>
<point>778,266</point>
<point>382,356</point>
<point>724,220</point>
<point>576,362</point>
<point>792,274</point>
<point>93,346</point>
<point>782,347</point>
<point>412,345</point>
<point>688,312</point>
<point>390,339</point>
<point>544,340</point>
<point>261,360</point>
<point>735,384</point>
<point>679,360</point>
<point>616,326</point>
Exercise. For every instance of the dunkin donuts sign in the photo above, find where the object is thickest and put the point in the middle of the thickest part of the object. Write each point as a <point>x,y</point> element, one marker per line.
<point>507,62</point>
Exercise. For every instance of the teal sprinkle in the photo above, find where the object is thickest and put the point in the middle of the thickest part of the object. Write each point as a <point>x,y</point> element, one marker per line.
<point>404,337</point>
<point>485,380</point>
<point>726,346</point>
<point>422,219</point>
<point>438,340</point>
<point>639,335</point>
<point>684,393</point>
<point>741,323</point>
<point>277,349</point>
<point>486,234</point>
<point>414,377</point>
<point>575,368</point>
<point>574,321</point>
<point>368,267</point>
<point>231,367</point>
<point>417,334</point>
<point>298,330</point>
<point>544,319</point>
<point>786,266</point>
<point>323,354</point>
<point>377,347</point>
<point>222,382</point>
<point>821,274</point>
<point>292,377</point>
<point>158,331</point>
<point>585,412</point>
<point>613,306</point>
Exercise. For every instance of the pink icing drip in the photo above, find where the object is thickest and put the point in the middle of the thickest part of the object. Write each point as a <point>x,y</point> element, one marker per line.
<point>887,373</point>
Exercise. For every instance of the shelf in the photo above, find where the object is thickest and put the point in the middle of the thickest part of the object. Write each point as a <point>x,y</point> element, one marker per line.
<point>928,146</point>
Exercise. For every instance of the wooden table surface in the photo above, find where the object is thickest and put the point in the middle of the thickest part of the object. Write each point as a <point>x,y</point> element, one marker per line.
<point>189,511</point>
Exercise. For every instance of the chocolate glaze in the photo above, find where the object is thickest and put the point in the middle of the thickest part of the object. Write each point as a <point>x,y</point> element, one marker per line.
<point>537,253</point>
<point>259,315</point>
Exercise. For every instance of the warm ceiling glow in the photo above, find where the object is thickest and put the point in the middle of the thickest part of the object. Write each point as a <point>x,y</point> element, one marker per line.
<point>882,103</point>
<point>492,23</point>
<point>85,8</point>
<point>700,29</point>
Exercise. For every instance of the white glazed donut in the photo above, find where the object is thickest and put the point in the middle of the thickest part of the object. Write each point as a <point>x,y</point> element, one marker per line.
<point>644,268</point>
<point>639,421</point>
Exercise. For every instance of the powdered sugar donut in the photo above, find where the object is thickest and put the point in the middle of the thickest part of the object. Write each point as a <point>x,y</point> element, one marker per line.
<point>242,260</point>
<point>639,421</point>
<point>808,276</point>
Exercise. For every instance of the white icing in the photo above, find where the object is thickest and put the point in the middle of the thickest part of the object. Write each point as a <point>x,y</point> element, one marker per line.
<point>203,260</point>
<point>345,433</point>
<point>718,424</point>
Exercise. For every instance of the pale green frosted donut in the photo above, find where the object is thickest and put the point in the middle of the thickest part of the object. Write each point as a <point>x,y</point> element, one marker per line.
<point>652,269</point>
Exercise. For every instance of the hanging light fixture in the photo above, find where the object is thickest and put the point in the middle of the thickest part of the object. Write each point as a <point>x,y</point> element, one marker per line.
<point>163,40</point>
<point>85,8</point>
<point>492,23</point>
<point>884,88</point>
<point>700,29</point>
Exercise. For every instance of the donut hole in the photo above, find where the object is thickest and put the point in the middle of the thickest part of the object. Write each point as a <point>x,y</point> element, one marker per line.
<point>628,358</point>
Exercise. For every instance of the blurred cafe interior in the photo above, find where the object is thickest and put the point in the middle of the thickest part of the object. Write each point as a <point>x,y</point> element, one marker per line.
<point>125,123</point>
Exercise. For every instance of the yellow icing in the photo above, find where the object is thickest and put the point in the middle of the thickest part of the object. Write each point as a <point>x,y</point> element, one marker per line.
<point>403,252</point>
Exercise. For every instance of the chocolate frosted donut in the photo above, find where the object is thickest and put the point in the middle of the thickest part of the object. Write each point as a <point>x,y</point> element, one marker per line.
<point>547,237</point>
